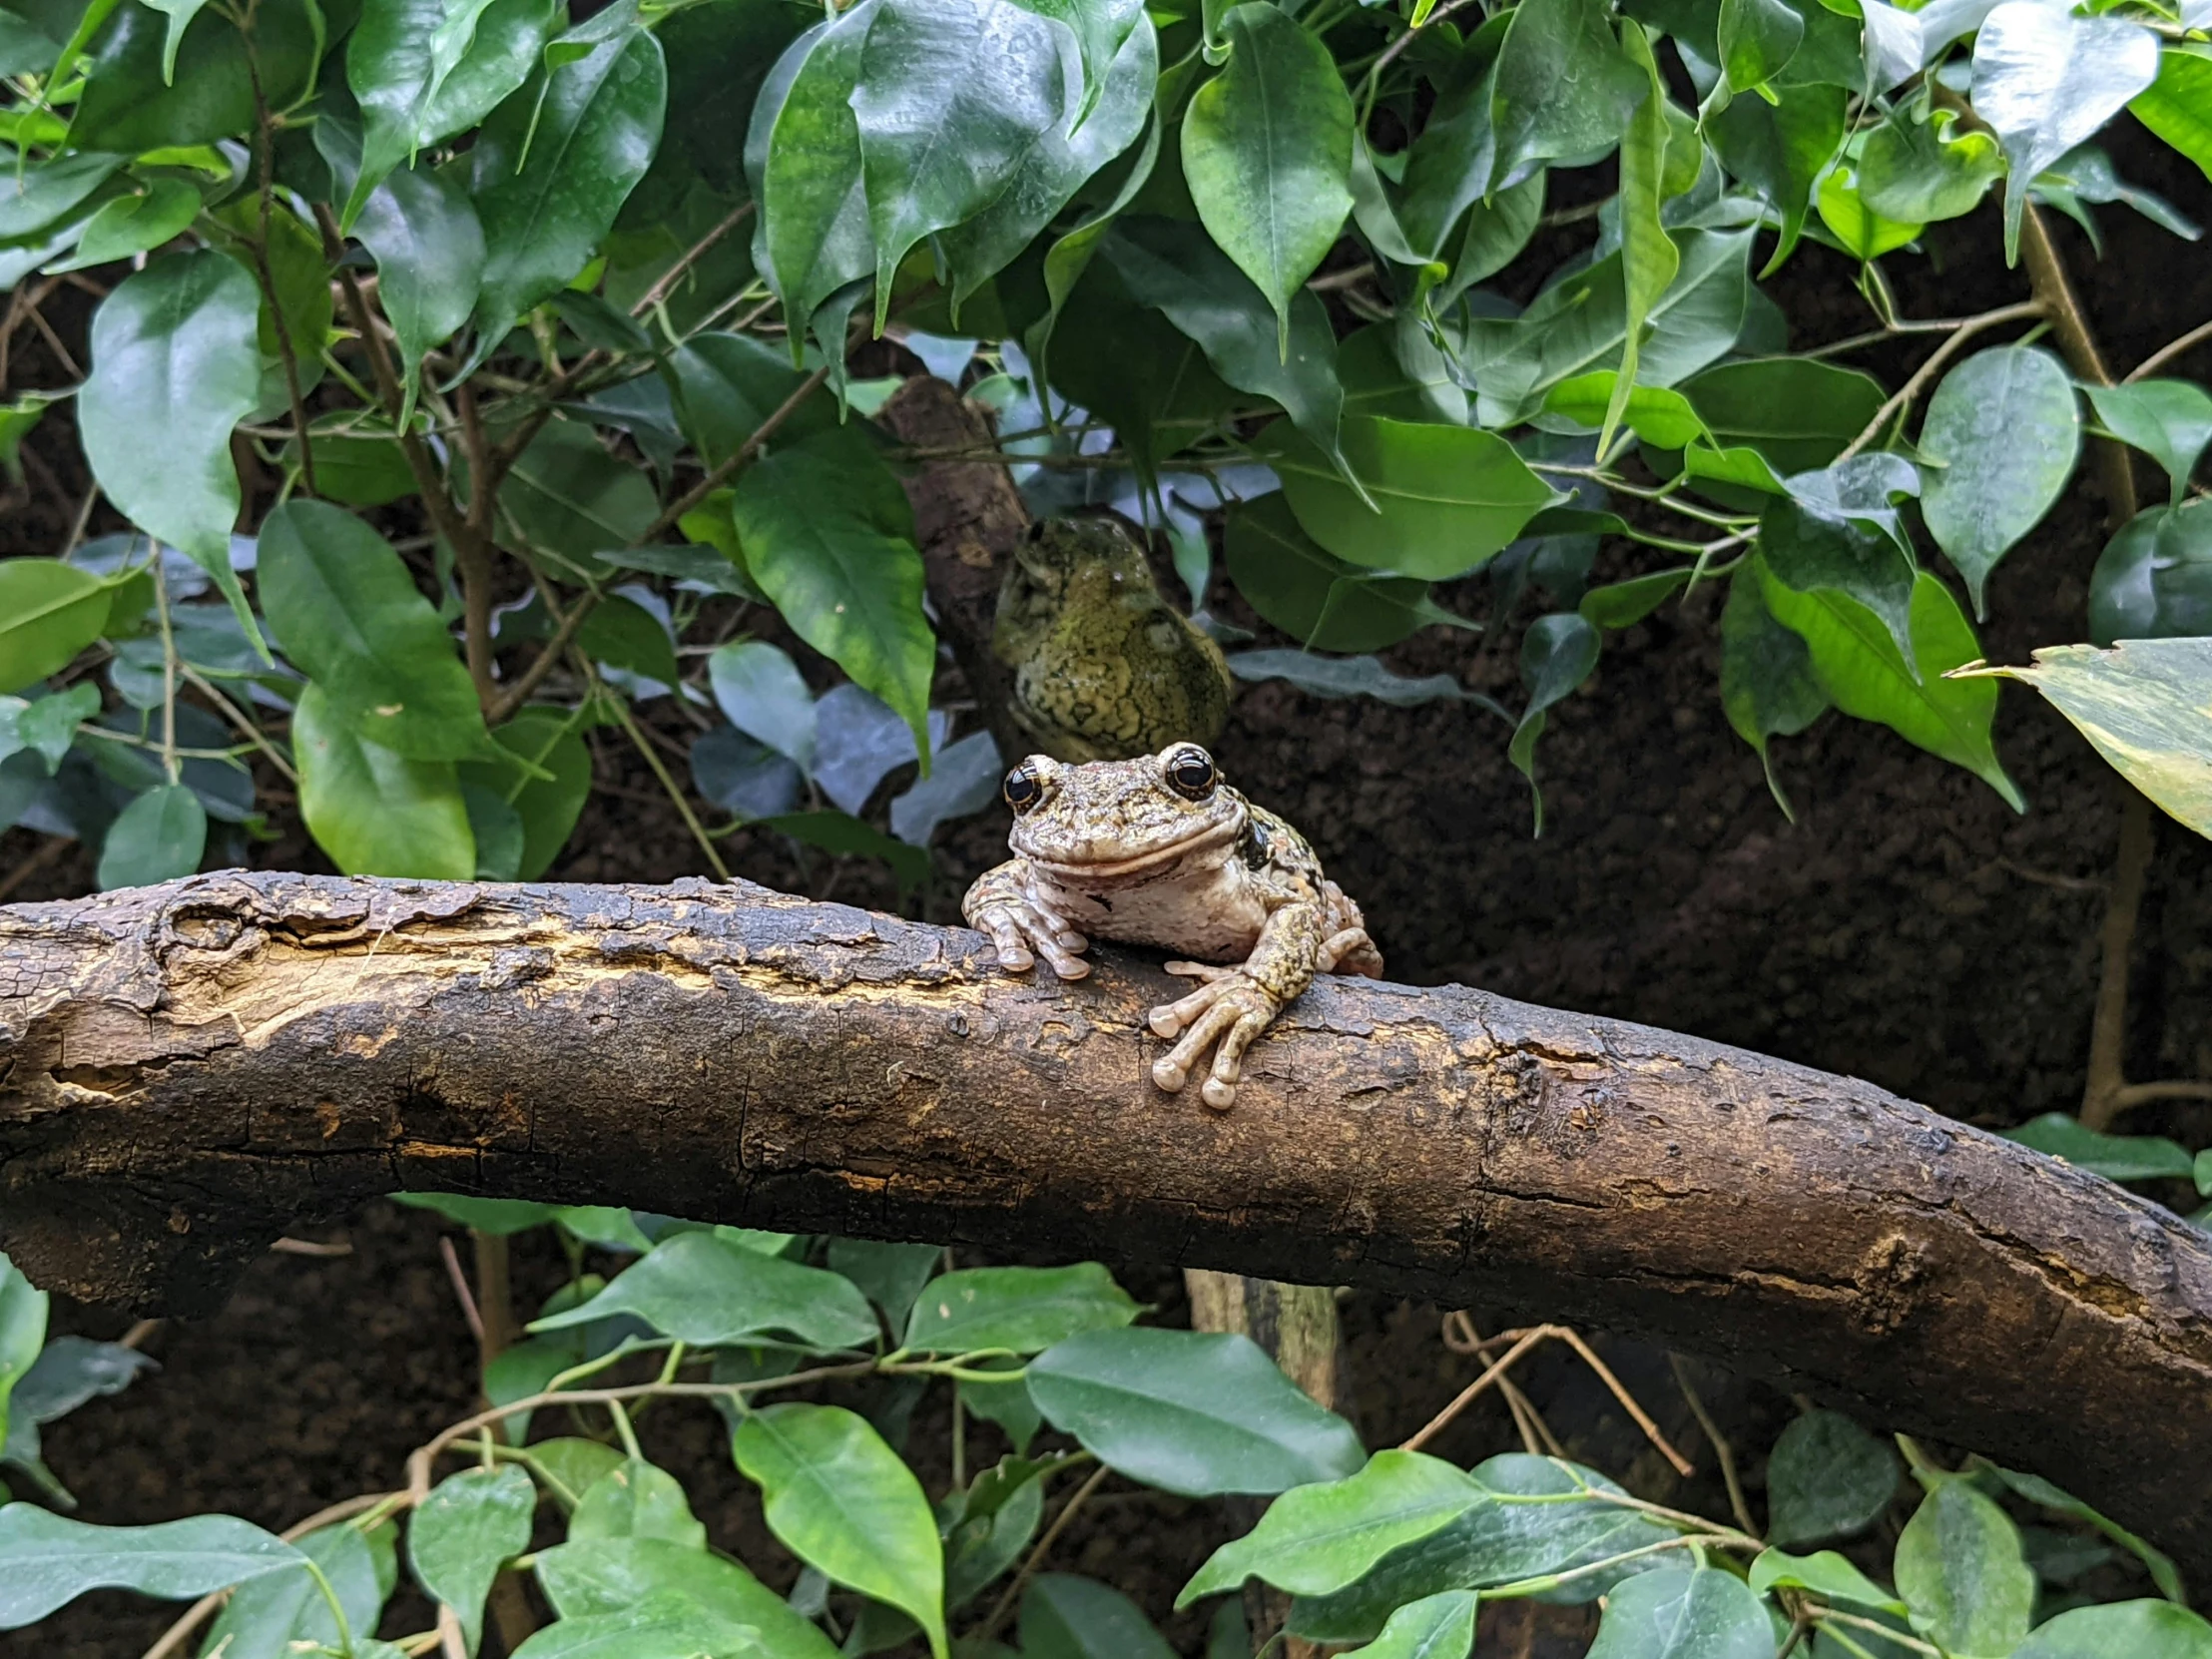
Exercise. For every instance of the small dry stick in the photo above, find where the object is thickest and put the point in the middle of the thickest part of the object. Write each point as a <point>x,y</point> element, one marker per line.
<point>1719,1443</point>
<point>1007,1602</point>
<point>461,1292</point>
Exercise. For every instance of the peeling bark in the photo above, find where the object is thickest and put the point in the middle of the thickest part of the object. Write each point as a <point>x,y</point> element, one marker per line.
<point>187,1071</point>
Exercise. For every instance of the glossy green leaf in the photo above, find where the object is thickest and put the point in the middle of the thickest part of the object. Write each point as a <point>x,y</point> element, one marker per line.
<point>1563,89</point>
<point>1543,1516</point>
<point>1959,1569</point>
<point>636,1499</point>
<point>1755,39</point>
<point>1434,1627</point>
<point>429,249</point>
<point>157,836</point>
<point>377,812</point>
<point>1859,666</point>
<point>48,1559</point>
<point>1649,258</point>
<point>2169,420</point>
<point>1919,172</point>
<point>2177,106</point>
<point>23,1311</point>
<point>497,830</point>
<point>1857,228</point>
<point>1317,1538</point>
<point>1446,498</point>
<point>952,98</point>
<point>1675,1614</point>
<point>49,612</point>
<point>1026,1310</point>
<point>707,1290</point>
<point>2142,704</point>
<point>1825,1574</point>
<point>547,741</point>
<point>500,1217</point>
<point>134,223</point>
<point>1267,150</point>
<point>2000,439</point>
<point>1812,551</point>
<point>1797,413</point>
<point>1662,417</point>
<point>759,686</point>
<point>47,723</point>
<point>828,535</point>
<point>841,1502</point>
<point>174,351</point>
<point>1133,369</point>
<point>609,1577</point>
<point>460,1537</point>
<point>802,159</point>
<point>1198,1413</point>
<point>1310,594</point>
<point>2037,1490</point>
<point>2044,81</point>
<point>1827,1478</point>
<point>396,59</point>
<point>138,101</point>
<point>1066,1617</point>
<point>1497,231</point>
<point>570,499</point>
<point>506,49</point>
<point>844,835</point>
<point>39,194</point>
<point>724,385</point>
<point>1768,686</point>
<point>1338,677</point>
<point>888,1275</point>
<point>663,1624</point>
<point>2121,1630</point>
<point>550,174</point>
<point>1624,604</point>
<point>2115,1157</point>
<point>1557,654</point>
<point>280,1615</point>
<point>1781,149</point>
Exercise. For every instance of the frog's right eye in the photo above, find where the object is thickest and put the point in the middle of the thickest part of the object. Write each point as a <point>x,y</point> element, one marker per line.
<point>1023,789</point>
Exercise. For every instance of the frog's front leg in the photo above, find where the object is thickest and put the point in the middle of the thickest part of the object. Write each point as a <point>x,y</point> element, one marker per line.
<point>1002,905</point>
<point>1236,1005</point>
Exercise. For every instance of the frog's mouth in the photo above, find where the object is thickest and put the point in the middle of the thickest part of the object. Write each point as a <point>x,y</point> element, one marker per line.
<point>1223,833</point>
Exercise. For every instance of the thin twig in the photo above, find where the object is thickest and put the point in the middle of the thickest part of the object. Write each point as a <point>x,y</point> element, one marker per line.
<point>1467,1395</point>
<point>461,1292</point>
<point>2166,354</point>
<point>1910,393</point>
<point>1718,1442</point>
<point>1005,1603</point>
<point>2107,1068</point>
<point>140,1333</point>
<point>1390,52</point>
<point>257,246</point>
<point>39,857</point>
<point>2177,1088</point>
<point>665,284</point>
<point>246,727</point>
<point>309,1247</point>
<point>697,830</point>
<point>726,468</point>
<point>1682,1466</point>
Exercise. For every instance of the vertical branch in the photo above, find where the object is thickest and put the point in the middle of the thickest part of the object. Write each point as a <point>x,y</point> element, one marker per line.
<point>264,126</point>
<point>170,763</point>
<point>472,551</point>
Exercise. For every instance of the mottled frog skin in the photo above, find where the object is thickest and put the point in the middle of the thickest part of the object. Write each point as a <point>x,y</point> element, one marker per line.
<point>1104,668</point>
<point>1159,851</point>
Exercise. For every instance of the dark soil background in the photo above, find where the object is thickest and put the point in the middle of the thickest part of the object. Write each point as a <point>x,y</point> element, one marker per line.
<point>1908,928</point>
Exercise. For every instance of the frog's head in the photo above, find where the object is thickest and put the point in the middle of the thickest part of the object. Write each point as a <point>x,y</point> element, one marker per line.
<point>1120,820</point>
<point>1084,562</point>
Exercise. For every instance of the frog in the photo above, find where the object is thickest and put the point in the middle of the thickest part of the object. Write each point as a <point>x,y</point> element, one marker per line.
<point>1160,851</point>
<point>1104,668</point>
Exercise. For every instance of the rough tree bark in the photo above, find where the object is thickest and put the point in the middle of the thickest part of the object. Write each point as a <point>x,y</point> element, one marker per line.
<point>186,1071</point>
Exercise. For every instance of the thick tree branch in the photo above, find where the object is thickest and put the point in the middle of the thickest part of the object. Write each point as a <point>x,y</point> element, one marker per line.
<point>188,1071</point>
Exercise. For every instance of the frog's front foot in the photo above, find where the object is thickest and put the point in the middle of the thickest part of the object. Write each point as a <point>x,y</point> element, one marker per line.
<point>1019,927</point>
<point>1231,1006</point>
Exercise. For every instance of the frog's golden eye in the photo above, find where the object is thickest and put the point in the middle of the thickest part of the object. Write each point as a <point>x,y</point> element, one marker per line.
<point>1191,773</point>
<point>1023,788</point>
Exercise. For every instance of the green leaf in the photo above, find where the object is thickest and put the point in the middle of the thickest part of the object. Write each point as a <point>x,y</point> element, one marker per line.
<point>1919,172</point>
<point>1673,1614</point>
<point>568,1466</point>
<point>47,1559</point>
<point>2169,420</point>
<point>23,1309</point>
<point>136,101</point>
<point>157,836</point>
<point>377,812</point>
<point>1025,1310</point>
<point>2037,1489</point>
<point>1267,152</point>
<point>635,1499</point>
<point>709,1292</point>
<point>2142,704</point>
<point>1319,1538</point>
<point>828,535</point>
<point>888,1275</point>
<point>460,1537</point>
<point>2115,1157</point>
<point>2154,579</point>
<point>1999,442</point>
<point>841,1501</point>
<point>1434,1627</point>
<point>1066,1617</point>
<point>506,50</point>
<point>847,837</point>
<point>1857,228</point>
<point>39,194</point>
<point>612,1575</point>
<point>1795,413</point>
<point>526,1368</point>
<point>570,499</point>
<point>283,1615</point>
<point>551,172</point>
<point>1663,418</point>
<point>1557,654</point>
<point>500,1217</point>
<point>2178,105</point>
<point>1312,595</point>
<point>1836,533</point>
<point>1827,1478</point>
<point>622,634</point>
<point>1768,686</point>
<point>49,612</point>
<point>1338,677</point>
<point>1447,167</point>
<point>802,159</point>
<point>952,98</point>
<point>395,60</point>
<point>1825,1574</point>
<point>1196,1413</point>
<point>1756,37</point>
<point>1563,90</point>
<point>134,224</point>
<point>174,351</point>
<point>347,611</point>
<point>1781,149</point>
<point>2045,81</point>
<point>549,799</point>
<point>1497,229</point>
<point>48,725</point>
<point>1959,1569</point>
<point>760,688</point>
<point>429,249</point>
<point>1859,666</point>
<point>1542,1516</point>
<point>1446,498</point>
<point>726,385</point>
<point>2121,1630</point>
<point>1170,265</point>
<point>1649,258</point>
<point>1624,604</point>
<point>664,1624</point>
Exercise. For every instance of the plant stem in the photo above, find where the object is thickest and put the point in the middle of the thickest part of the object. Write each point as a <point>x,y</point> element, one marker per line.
<point>723,472</point>
<point>1901,404</point>
<point>675,794</point>
<point>2103,1087</point>
<point>169,672</point>
<point>1007,1602</point>
<point>2166,354</point>
<point>247,728</point>
<point>267,134</point>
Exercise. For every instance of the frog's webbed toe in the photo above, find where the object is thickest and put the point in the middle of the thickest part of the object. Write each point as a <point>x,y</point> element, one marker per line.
<point>1022,931</point>
<point>1231,1009</point>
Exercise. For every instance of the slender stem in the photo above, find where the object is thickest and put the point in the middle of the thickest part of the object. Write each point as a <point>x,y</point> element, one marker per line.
<point>2102,1088</point>
<point>665,284</point>
<point>675,794</point>
<point>330,1600</point>
<point>1901,404</point>
<point>246,727</point>
<point>1005,1603</point>
<point>170,763</point>
<point>1467,1397</point>
<point>2166,354</point>
<point>723,472</point>
<point>549,655</point>
<point>1719,1443</point>
<point>626,1431</point>
<point>472,552</point>
<point>265,127</point>
<point>1829,1615</point>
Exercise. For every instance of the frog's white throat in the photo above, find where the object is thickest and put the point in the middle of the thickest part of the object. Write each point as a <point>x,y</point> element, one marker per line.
<point>1205,847</point>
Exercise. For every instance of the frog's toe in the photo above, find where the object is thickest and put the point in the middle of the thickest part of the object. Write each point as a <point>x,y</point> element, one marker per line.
<point>1216,1094</point>
<point>1208,971</point>
<point>1168,1074</point>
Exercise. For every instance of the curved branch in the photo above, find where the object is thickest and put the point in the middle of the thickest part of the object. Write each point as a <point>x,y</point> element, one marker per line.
<point>187,1071</point>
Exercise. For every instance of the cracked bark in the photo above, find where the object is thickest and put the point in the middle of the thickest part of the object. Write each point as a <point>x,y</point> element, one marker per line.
<point>188,1071</point>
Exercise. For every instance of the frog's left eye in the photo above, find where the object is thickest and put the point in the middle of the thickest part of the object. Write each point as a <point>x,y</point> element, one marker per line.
<point>1191,773</point>
<point>1023,788</point>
